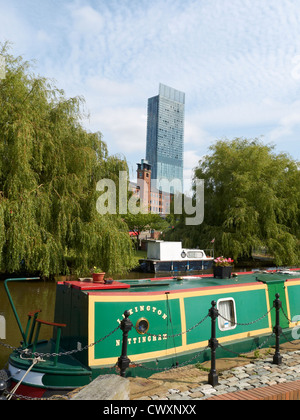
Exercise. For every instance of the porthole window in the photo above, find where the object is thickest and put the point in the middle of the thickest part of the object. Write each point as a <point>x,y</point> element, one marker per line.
<point>142,326</point>
<point>227,314</point>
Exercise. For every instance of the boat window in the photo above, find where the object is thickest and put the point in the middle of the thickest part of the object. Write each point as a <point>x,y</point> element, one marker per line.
<point>195,254</point>
<point>142,326</point>
<point>227,314</point>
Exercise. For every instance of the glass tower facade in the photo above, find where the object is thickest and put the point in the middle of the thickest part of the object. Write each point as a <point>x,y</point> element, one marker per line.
<point>165,135</point>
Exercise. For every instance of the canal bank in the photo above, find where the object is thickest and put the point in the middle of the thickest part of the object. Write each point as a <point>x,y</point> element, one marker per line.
<point>235,374</point>
<point>251,377</point>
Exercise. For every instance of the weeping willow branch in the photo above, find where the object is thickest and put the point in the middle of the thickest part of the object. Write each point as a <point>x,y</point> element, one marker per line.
<point>49,168</point>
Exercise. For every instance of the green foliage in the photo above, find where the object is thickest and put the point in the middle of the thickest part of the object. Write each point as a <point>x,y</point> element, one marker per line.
<point>49,167</point>
<point>252,198</point>
<point>142,221</point>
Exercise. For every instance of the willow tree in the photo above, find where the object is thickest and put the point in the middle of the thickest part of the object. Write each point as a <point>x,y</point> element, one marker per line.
<point>49,168</point>
<point>252,200</point>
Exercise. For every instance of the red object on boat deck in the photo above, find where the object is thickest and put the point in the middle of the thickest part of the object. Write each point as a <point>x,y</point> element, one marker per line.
<point>89,285</point>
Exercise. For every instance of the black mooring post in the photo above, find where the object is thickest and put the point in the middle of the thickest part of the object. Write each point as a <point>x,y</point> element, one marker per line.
<point>213,344</point>
<point>123,361</point>
<point>277,358</point>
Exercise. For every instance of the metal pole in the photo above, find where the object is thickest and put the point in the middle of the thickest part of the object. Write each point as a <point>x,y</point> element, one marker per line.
<point>277,358</point>
<point>13,306</point>
<point>213,344</point>
<point>123,361</point>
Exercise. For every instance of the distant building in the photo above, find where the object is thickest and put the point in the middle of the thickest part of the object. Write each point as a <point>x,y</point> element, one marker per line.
<point>155,200</point>
<point>165,135</point>
<point>144,182</point>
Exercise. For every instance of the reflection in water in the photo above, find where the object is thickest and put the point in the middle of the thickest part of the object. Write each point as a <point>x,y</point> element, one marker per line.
<point>2,327</point>
<point>27,296</point>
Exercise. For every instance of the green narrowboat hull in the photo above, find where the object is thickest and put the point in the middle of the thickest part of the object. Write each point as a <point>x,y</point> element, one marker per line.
<point>170,321</point>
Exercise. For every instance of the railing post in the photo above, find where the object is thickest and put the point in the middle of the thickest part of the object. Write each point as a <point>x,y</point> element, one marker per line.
<point>213,344</point>
<point>277,358</point>
<point>123,361</point>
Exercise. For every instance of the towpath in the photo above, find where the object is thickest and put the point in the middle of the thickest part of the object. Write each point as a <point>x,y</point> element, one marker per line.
<point>235,374</point>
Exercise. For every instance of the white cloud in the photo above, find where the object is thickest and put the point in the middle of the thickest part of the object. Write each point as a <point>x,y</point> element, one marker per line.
<point>13,27</point>
<point>86,21</point>
<point>126,128</point>
<point>288,123</point>
<point>191,161</point>
<point>235,60</point>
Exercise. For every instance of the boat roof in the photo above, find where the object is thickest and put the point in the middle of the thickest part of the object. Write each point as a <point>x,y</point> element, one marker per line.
<point>175,284</point>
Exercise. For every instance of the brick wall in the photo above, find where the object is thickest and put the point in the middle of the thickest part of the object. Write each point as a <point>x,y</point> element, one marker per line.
<point>284,391</point>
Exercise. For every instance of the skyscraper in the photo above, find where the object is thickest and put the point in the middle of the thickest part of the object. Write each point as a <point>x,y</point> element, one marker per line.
<point>165,134</point>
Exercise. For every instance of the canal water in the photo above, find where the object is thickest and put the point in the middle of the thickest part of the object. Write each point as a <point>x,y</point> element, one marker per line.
<point>27,296</point>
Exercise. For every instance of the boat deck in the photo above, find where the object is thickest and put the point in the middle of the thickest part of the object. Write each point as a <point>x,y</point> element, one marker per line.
<point>175,284</point>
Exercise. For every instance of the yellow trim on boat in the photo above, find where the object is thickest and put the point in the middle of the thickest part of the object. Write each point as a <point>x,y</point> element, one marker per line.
<point>180,296</point>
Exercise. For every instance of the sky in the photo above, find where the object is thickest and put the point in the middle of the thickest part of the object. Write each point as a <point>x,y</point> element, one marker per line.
<point>238,62</point>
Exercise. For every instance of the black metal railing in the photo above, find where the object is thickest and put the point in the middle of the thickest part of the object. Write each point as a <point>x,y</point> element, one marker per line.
<point>123,362</point>
<point>213,343</point>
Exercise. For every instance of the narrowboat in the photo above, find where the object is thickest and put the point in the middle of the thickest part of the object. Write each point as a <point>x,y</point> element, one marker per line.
<point>170,326</point>
<point>169,256</point>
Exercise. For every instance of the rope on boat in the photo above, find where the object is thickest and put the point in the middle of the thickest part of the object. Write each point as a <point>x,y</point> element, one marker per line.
<point>34,362</point>
<point>28,352</point>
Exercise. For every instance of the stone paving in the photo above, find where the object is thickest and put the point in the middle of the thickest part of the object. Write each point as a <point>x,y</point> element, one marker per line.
<point>256,374</point>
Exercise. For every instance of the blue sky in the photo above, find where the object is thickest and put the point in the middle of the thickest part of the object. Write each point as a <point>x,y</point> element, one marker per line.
<point>238,62</point>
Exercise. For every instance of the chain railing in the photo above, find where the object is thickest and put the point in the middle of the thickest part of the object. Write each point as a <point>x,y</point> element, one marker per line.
<point>291,321</point>
<point>166,336</point>
<point>259,347</point>
<point>126,325</point>
<point>28,352</point>
<point>213,343</point>
<point>38,357</point>
<point>177,366</point>
<point>246,323</point>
